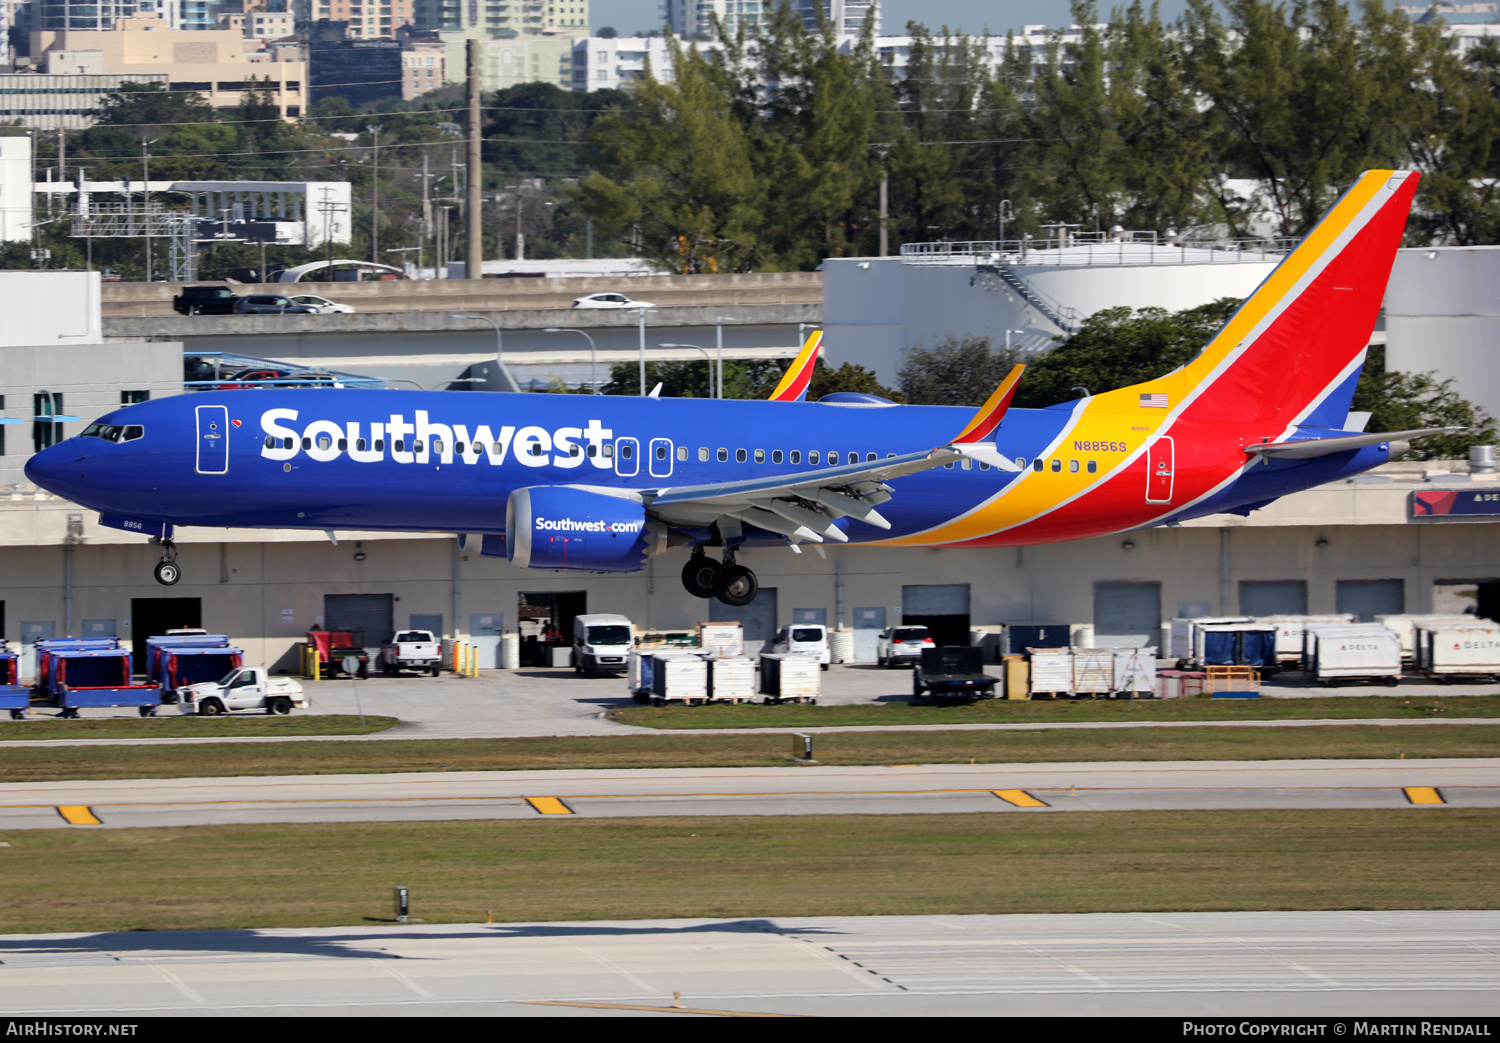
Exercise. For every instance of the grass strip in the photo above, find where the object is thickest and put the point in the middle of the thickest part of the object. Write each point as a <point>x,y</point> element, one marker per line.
<point>315,875</point>
<point>1048,711</point>
<point>57,763</point>
<point>194,727</point>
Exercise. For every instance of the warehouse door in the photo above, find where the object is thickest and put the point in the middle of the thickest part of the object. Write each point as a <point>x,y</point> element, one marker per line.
<point>758,618</point>
<point>1368,598</point>
<point>1275,597</point>
<point>372,613</point>
<point>153,617</point>
<point>868,624</point>
<point>1127,615</point>
<point>485,629</point>
<point>943,608</point>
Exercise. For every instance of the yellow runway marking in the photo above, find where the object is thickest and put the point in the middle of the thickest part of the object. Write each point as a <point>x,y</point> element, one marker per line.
<point>1020,798</point>
<point>549,806</point>
<point>1424,795</point>
<point>661,1010</point>
<point>79,815</point>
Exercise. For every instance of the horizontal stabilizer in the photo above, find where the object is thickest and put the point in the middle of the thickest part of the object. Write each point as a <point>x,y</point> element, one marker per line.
<point>1308,448</point>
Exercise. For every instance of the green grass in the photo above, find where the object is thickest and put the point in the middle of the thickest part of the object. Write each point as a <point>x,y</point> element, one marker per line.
<point>666,750</point>
<point>640,868</point>
<point>180,727</point>
<point>1046,711</point>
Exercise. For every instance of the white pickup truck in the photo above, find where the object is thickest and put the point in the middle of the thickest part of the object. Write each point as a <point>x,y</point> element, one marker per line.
<point>244,688</point>
<point>417,650</point>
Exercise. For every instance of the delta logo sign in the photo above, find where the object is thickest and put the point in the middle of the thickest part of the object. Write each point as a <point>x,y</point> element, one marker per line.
<point>1443,503</point>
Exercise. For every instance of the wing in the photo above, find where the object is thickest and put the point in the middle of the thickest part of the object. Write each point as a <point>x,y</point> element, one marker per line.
<point>804,506</point>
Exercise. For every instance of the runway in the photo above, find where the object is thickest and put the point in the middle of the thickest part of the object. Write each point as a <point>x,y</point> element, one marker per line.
<point>1440,965</point>
<point>1415,785</point>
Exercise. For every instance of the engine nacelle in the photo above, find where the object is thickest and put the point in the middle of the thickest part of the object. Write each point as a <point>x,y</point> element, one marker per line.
<point>565,527</point>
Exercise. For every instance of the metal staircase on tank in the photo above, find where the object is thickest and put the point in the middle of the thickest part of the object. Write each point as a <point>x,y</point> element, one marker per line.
<point>994,277</point>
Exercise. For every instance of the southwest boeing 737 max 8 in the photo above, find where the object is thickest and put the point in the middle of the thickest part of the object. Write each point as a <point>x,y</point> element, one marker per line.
<point>598,483</point>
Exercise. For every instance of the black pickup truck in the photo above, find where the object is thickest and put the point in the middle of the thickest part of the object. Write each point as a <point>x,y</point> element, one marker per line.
<point>952,673</point>
<point>205,300</point>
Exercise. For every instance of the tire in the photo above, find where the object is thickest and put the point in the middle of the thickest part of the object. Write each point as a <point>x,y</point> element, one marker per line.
<point>281,706</point>
<point>17,715</point>
<point>436,671</point>
<point>167,573</point>
<point>146,711</point>
<point>737,586</point>
<point>823,665</point>
<point>700,576</point>
<point>210,708</point>
<point>1392,682</point>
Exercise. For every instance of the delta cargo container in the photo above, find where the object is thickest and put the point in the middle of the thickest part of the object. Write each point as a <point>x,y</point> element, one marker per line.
<point>1357,651</point>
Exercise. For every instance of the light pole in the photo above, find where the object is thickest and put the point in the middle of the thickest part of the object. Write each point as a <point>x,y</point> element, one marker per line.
<point>719,321</point>
<point>499,344</point>
<point>642,313</point>
<point>706,358</point>
<point>146,199</point>
<point>1007,338</point>
<point>593,353</point>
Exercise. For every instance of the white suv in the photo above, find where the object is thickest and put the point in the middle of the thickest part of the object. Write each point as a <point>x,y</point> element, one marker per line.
<point>807,638</point>
<point>902,645</point>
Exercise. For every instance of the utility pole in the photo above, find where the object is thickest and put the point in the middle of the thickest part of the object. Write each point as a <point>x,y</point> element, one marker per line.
<point>146,208</point>
<point>474,231</point>
<point>374,130</point>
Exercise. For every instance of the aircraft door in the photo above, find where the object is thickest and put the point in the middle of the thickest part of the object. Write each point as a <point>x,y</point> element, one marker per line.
<point>660,465</point>
<point>627,457</point>
<point>213,439</point>
<point>1160,467</point>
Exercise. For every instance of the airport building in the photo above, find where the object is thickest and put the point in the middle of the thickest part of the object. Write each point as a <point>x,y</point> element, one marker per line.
<point>1412,537</point>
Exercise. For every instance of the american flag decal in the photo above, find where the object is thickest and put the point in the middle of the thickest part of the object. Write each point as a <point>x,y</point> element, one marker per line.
<point>1153,401</point>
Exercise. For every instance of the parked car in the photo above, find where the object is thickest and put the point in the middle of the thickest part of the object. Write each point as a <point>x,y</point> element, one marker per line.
<point>902,645</point>
<point>610,300</point>
<point>270,304</point>
<point>205,300</point>
<point>807,638</point>
<point>323,305</point>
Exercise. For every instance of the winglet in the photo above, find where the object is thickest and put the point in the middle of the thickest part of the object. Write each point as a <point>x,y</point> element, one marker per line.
<point>798,376</point>
<point>993,411</point>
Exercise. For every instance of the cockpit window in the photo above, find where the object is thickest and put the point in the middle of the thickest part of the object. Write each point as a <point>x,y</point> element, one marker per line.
<point>108,432</point>
<point>132,432</point>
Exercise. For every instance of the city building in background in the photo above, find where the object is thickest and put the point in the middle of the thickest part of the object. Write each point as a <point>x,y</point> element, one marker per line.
<point>356,69</point>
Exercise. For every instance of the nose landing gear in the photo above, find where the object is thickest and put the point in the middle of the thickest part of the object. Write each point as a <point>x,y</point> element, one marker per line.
<point>732,584</point>
<point>167,571</point>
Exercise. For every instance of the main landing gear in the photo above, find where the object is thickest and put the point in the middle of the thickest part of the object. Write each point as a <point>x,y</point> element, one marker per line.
<point>167,571</point>
<point>730,583</point>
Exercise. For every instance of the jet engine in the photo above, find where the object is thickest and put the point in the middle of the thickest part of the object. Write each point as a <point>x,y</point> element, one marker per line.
<point>567,527</point>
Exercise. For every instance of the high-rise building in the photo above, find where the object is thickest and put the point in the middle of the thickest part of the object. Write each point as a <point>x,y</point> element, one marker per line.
<point>691,18</point>
<point>365,19</point>
<point>504,19</point>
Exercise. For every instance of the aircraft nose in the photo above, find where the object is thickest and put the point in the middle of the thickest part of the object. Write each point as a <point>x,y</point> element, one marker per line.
<point>57,469</point>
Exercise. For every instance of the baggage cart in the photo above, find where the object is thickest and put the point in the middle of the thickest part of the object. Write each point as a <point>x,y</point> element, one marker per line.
<point>180,667</point>
<point>1093,671</point>
<point>1405,626</point>
<point>677,678</point>
<point>731,679</point>
<point>721,639</point>
<point>1184,634</point>
<point>1051,672</point>
<point>1450,652</point>
<point>1135,671</point>
<point>790,677</point>
<point>1353,651</point>
<point>14,696</point>
<point>1235,644</point>
<point>1289,631</point>
<point>1232,682</point>
<point>75,674</point>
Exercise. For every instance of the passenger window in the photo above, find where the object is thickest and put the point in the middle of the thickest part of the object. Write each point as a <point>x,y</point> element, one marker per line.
<point>869,457</point>
<point>344,444</point>
<point>682,453</point>
<point>572,449</point>
<point>1056,466</point>
<point>703,453</point>
<point>380,445</point>
<point>833,458</point>
<point>812,457</point>
<point>739,456</point>
<point>1020,462</point>
<point>437,447</point>
<point>286,443</point>
<point>593,450</point>
<point>416,447</point>
<point>270,441</point>
<point>983,466</point>
<point>723,456</point>
<point>967,463</point>
<point>796,456</point>
<point>1093,466</point>
<point>1073,466</point>
<point>776,456</point>
<point>661,452</point>
<point>536,449</point>
<point>890,456</point>
<point>609,450</point>
<point>626,451</point>
<point>398,447</point>
<point>948,466</point>
<point>760,456</point>
<point>307,443</point>
<point>360,445</point>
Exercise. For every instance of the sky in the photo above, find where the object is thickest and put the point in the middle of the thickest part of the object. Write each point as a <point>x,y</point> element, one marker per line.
<point>974,16</point>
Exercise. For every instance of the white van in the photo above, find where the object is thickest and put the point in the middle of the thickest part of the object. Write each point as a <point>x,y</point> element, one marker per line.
<point>602,644</point>
<point>807,638</point>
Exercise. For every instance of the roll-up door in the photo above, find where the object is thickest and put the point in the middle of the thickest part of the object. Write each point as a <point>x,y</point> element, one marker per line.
<point>372,613</point>
<point>1368,598</point>
<point>1127,615</point>
<point>943,608</point>
<point>1275,597</point>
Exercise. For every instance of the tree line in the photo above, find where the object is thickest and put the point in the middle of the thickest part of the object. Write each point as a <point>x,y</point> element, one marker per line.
<point>767,152</point>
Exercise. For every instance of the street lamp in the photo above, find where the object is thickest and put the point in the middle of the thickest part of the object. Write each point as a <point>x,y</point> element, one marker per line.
<point>719,321</point>
<point>593,353</point>
<point>706,358</point>
<point>499,344</point>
